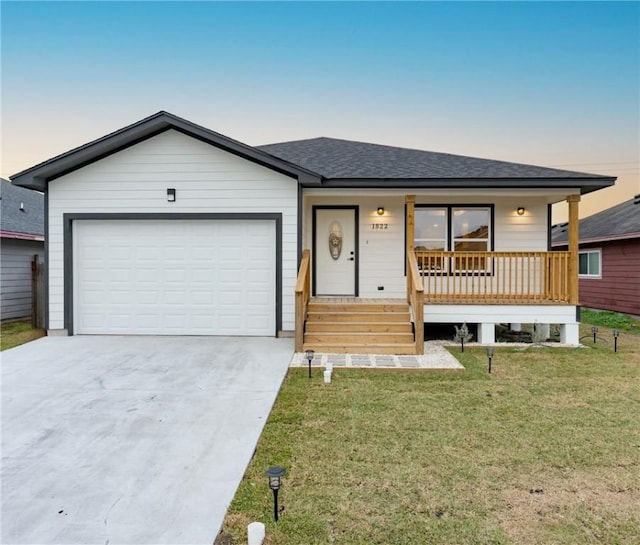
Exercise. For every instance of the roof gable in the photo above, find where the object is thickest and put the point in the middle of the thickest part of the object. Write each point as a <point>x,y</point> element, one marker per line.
<point>22,210</point>
<point>37,176</point>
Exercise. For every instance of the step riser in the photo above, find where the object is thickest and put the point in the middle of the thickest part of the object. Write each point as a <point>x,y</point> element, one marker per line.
<point>344,328</point>
<point>357,338</point>
<point>360,317</point>
<point>328,327</point>
<point>397,349</point>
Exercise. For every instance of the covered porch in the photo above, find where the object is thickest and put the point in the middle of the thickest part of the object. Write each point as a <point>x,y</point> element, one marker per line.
<point>483,287</point>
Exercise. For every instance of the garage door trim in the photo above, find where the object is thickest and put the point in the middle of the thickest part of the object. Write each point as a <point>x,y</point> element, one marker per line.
<point>69,218</point>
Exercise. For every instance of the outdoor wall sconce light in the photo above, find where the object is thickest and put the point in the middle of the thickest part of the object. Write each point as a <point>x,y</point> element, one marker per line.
<point>520,210</point>
<point>275,475</point>
<point>380,210</point>
<point>594,330</point>
<point>171,194</point>
<point>490,351</point>
<point>309,355</point>
<point>616,334</point>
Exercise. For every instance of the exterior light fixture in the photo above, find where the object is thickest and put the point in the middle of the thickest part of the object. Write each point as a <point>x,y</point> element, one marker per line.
<point>594,330</point>
<point>309,355</point>
<point>275,474</point>
<point>520,210</point>
<point>616,334</point>
<point>490,352</point>
<point>380,210</point>
<point>171,194</point>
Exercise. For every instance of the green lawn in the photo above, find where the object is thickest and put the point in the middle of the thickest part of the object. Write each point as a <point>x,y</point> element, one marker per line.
<point>546,450</point>
<point>17,333</point>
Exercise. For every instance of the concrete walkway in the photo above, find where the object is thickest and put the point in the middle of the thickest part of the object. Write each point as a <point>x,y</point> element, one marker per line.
<point>131,440</point>
<point>435,357</point>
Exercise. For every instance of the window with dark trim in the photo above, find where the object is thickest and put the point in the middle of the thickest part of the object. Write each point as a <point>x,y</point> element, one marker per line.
<point>455,228</point>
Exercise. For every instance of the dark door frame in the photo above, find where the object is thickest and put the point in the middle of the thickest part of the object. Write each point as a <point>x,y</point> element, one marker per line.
<point>356,234</point>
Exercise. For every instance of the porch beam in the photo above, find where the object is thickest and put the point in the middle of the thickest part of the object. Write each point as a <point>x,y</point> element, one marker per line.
<point>573,201</point>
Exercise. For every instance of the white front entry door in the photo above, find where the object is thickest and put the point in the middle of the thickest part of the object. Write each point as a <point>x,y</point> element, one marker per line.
<point>335,251</point>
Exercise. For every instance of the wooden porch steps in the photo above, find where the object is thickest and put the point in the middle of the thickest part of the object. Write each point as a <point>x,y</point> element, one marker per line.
<point>359,328</point>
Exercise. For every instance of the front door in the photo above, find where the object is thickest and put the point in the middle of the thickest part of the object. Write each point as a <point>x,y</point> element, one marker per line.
<point>335,250</point>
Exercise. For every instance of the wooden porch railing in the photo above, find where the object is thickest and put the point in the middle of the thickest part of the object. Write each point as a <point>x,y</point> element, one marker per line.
<point>415,297</point>
<point>495,277</point>
<point>303,293</point>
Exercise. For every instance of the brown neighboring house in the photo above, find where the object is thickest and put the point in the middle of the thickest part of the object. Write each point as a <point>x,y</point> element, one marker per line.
<point>609,267</point>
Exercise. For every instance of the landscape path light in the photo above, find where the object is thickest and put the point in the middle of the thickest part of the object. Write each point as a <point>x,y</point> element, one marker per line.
<point>490,352</point>
<point>275,475</point>
<point>309,354</point>
<point>594,330</point>
<point>616,334</point>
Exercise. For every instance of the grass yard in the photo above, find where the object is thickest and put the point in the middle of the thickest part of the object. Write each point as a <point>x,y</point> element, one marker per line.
<point>17,333</point>
<point>546,450</point>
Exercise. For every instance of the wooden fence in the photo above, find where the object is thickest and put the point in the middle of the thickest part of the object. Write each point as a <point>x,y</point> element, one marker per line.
<point>37,293</point>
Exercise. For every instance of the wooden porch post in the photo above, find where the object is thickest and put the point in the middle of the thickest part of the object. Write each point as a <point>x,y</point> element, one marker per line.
<point>573,201</point>
<point>410,201</point>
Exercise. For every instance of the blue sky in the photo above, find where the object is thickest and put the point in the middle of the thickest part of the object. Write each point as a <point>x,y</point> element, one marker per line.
<point>548,83</point>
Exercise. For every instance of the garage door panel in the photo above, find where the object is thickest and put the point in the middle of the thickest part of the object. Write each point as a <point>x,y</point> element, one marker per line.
<point>182,277</point>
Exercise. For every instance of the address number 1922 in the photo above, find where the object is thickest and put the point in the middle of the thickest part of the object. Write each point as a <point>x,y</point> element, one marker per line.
<point>379,226</point>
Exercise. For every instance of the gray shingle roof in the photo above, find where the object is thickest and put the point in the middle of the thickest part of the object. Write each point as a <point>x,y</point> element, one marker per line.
<point>615,222</point>
<point>328,162</point>
<point>334,158</point>
<point>28,220</point>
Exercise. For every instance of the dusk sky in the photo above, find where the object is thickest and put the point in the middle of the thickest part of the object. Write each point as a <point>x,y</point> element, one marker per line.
<point>553,84</point>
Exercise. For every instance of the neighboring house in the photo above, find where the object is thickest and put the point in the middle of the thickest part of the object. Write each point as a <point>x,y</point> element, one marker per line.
<point>609,257</point>
<point>21,238</point>
<point>166,227</point>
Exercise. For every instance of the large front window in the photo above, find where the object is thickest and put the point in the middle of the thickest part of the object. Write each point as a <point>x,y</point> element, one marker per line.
<point>453,228</point>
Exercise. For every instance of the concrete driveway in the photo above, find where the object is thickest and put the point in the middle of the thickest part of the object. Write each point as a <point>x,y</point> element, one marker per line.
<point>131,440</point>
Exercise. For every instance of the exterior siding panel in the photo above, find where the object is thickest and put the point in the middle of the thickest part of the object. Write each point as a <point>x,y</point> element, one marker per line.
<point>206,180</point>
<point>618,289</point>
<point>15,280</point>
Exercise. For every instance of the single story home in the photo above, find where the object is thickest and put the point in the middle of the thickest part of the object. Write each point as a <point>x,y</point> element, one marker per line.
<point>168,228</point>
<point>21,241</point>
<point>608,257</point>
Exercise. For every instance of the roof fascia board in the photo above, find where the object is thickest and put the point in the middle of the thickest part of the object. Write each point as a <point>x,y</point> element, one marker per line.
<point>37,176</point>
<point>595,240</point>
<point>586,185</point>
<point>21,236</point>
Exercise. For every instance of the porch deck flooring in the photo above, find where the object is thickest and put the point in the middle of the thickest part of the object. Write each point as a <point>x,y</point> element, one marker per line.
<point>355,301</point>
<point>450,300</point>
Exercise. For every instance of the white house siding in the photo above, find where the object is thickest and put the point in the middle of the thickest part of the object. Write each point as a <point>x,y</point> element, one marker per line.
<point>206,180</point>
<point>15,276</point>
<point>381,252</point>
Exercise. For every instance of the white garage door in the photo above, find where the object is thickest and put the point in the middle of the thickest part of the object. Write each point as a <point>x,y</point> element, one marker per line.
<point>175,277</point>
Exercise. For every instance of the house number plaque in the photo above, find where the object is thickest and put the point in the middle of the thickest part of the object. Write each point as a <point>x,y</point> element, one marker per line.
<point>379,226</point>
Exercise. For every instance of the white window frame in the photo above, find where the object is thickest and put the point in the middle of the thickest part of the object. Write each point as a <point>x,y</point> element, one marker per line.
<point>597,251</point>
